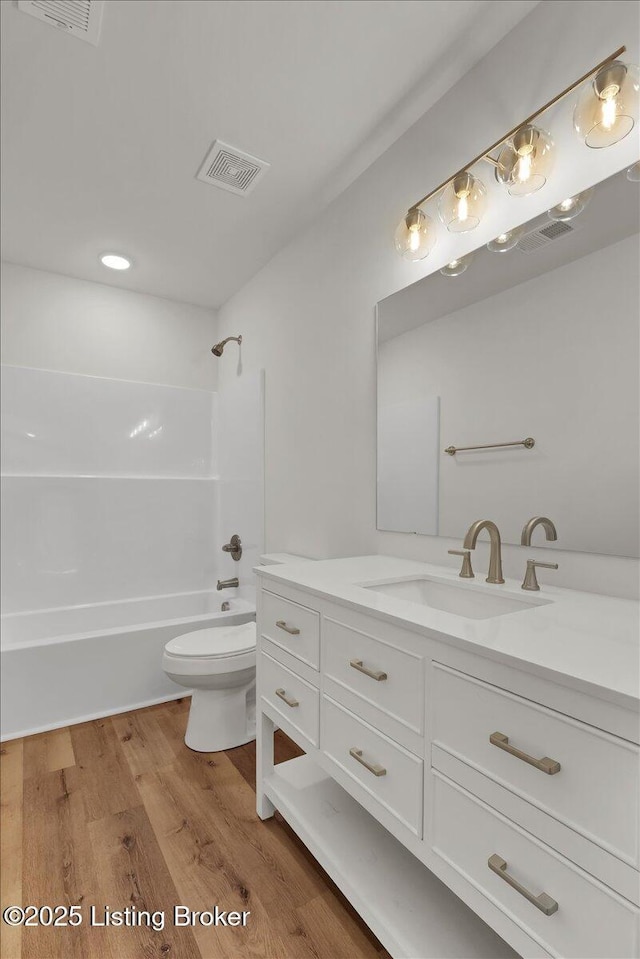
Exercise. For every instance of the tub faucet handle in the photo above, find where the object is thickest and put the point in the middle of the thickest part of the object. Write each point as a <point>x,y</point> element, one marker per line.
<point>234,546</point>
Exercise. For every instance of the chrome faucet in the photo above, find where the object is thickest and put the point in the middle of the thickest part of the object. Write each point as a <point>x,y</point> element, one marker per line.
<point>495,559</point>
<point>530,525</point>
<point>228,583</point>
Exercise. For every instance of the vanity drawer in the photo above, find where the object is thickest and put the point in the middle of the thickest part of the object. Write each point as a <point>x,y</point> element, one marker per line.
<point>389,678</point>
<point>291,697</point>
<point>590,920</point>
<point>291,626</point>
<point>583,777</point>
<point>374,764</point>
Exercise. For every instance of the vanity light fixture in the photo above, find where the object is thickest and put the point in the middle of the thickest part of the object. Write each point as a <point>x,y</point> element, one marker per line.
<point>570,208</point>
<point>526,158</point>
<point>462,203</point>
<point>457,267</point>
<point>607,109</point>
<point>415,235</point>
<point>505,241</point>
<point>115,261</point>
<point>633,173</point>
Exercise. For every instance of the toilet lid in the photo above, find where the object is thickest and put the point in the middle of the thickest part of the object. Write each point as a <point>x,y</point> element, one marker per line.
<point>215,642</point>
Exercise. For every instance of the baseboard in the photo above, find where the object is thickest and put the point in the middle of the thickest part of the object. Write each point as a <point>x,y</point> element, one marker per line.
<point>99,715</point>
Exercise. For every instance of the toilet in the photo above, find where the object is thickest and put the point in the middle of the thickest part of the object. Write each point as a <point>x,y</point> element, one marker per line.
<point>219,665</point>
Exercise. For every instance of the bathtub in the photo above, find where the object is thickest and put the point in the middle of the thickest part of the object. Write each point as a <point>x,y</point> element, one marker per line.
<point>72,664</point>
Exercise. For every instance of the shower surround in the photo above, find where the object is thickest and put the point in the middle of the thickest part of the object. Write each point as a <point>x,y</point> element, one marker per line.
<point>116,499</point>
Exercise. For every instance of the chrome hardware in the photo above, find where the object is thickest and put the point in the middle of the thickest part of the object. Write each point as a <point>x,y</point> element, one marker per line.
<point>292,630</point>
<point>543,902</point>
<point>549,529</point>
<point>545,765</point>
<point>376,674</point>
<point>290,702</point>
<point>234,546</point>
<point>530,580</point>
<point>467,570</point>
<point>225,607</point>
<point>374,768</point>
<point>228,583</point>
<point>495,559</point>
<point>528,444</point>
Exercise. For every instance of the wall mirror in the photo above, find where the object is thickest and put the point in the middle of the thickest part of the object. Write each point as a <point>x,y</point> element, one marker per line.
<point>538,341</point>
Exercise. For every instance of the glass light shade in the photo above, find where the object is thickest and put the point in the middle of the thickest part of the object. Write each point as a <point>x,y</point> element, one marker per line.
<point>462,203</point>
<point>415,236</point>
<point>505,241</point>
<point>526,161</point>
<point>457,267</point>
<point>633,173</point>
<point>571,207</point>
<point>607,108</point>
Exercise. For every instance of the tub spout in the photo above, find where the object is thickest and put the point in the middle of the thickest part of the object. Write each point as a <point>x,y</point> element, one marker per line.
<point>228,583</point>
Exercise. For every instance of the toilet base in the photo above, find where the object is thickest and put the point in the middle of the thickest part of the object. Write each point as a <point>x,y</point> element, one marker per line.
<point>221,719</point>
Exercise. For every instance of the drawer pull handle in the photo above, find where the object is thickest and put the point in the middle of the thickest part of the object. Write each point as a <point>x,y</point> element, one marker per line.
<point>290,702</point>
<point>543,902</point>
<point>376,674</point>
<point>374,768</point>
<point>545,765</point>
<point>292,630</point>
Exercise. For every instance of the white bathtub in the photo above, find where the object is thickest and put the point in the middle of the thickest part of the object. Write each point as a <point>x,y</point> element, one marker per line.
<point>72,664</point>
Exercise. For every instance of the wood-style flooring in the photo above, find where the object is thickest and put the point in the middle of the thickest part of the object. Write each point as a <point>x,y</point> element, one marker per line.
<point>118,812</point>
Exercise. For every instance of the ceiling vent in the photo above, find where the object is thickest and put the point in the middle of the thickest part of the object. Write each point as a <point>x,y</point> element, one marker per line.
<point>550,231</point>
<point>231,169</point>
<point>80,18</point>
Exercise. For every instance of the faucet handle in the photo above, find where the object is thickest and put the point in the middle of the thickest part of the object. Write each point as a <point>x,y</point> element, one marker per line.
<point>530,581</point>
<point>467,570</point>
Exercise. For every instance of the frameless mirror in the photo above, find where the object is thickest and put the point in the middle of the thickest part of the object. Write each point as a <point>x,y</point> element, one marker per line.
<point>538,344</point>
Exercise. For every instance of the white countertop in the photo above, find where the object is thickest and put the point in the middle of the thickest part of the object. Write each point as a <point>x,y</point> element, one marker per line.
<point>576,638</point>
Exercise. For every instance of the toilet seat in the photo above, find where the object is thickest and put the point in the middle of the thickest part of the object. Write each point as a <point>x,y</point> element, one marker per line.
<point>216,642</point>
<point>212,651</point>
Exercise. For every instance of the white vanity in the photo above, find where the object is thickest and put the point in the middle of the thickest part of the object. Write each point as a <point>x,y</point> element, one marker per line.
<point>457,735</point>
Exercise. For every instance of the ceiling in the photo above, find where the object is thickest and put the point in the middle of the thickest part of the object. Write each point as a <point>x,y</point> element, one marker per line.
<point>101,145</point>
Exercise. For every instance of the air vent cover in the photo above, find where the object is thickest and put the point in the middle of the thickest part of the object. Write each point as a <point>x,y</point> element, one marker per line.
<point>80,18</point>
<point>552,230</point>
<point>231,169</point>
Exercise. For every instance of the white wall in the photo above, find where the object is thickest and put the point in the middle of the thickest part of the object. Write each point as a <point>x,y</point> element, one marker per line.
<point>551,358</point>
<point>307,317</point>
<point>107,490</point>
<point>54,322</point>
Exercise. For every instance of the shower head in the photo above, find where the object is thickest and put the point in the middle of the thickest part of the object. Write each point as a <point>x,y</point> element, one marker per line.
<point>219,347</point>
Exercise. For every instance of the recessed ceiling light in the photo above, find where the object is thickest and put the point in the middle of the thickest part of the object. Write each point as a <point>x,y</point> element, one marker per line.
<point>115,261</point>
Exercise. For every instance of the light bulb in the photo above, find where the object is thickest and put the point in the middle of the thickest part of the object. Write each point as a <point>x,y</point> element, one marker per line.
<point>633,173</point>
<point>524,168</point>
<point>115,261</point>
<point>505,241</point>
<point>608,112</point>
<point>462,203</point>
<point>458,266</point>
<point>571,207</point>
<point>415,235</point>
<point>525,161</point>
<point>607,108</point>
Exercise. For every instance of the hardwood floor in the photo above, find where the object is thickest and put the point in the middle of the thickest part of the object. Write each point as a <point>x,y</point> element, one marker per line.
<point>119,813</point>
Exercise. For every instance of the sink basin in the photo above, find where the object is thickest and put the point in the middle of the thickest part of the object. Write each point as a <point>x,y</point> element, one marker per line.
<point>462,600</point>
